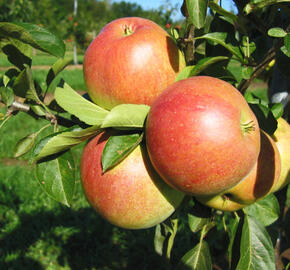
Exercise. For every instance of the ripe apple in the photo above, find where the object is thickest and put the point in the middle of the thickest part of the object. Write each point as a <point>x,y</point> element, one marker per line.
<point>282,139</point>
<point>201,135</point>
<point>132,60</point>
<point>131,195</point>
<point>258,184</point>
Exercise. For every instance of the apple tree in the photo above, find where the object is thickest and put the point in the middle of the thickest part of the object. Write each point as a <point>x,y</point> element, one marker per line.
<point>240,48</point>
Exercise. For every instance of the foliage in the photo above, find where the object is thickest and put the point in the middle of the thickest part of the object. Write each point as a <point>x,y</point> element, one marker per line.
<point>59,18</point>
<point>212,39</point>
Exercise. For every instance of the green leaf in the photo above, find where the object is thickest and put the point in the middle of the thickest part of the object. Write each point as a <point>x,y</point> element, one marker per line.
<point>221,70</point>
<point>214,6</point>
<point>9,76</point>
<point>277,32</point>
<point>267,210</point>
<point>118,147</point>
<point>23,50</point>
<point>32,92</point>
<point>6,95</point>
<point>220,38</point>
<point>4,118</point>
<point>265,117</point>
<point>126,116</point>
<point>25,145</point>
<point>35,36</point>
<point>184,73</point>
<point>277,109</point>
<point>159,240</point>
<point>197,12</point>
<point>257,96</point>
<point>205,63</point>
<point>256,250</point>
<point>174,33</point>
<point>15,55</point>
<point>24,85</point>
<point>234,232</point>
<point>63,140</point>
<point>259,4</point>
<point>57,177</point>
<point>57,67</point>
<point>247,72</point>
<point>247,47</point>
<point>21,84</point>
<point>172,230</point>
<point>285,51</point>
<point>197,258</point>
<point>164,237</point>
<point>75,104</point>
<point>197,223</point>
<point>38,110</point>
<point>202,64</point>
<point>288,196</point>
<point>287,42</point>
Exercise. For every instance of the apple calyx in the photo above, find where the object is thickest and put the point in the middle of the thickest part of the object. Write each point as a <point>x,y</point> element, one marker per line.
<point>128,30</point>
<point>248,127</point>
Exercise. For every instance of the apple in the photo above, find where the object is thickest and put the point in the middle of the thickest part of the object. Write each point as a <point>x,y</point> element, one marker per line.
<point>282,139</point>
<point>132,60</point>
<point>131,195</point>
<point>201,135</point>
<point>258,184</point>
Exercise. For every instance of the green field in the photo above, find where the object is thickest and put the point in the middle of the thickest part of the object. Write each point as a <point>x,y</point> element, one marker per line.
<point>41,63</point>
<point>40,59</point>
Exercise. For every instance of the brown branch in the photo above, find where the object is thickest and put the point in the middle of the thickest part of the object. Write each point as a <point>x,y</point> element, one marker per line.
<point>18,106</point>
<point>188,42</point>
<point>270,55</point>
<point>244,84</point>
<point>54,119</point>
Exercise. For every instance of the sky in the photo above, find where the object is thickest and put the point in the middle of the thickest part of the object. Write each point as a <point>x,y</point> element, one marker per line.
<point>154,4</point>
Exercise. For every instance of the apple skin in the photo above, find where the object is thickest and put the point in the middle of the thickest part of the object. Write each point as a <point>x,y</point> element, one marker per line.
<point>257,185</point>
<point>282,139</point>
<point>132,60</point>
<point>131,195</point>
<point>201,135</point>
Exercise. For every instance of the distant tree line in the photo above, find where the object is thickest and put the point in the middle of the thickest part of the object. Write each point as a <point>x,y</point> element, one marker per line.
<point>58,15</point>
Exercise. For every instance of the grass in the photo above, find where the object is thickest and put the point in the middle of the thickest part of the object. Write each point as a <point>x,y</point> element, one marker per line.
<point>74,77</point>
<point>40,59</point>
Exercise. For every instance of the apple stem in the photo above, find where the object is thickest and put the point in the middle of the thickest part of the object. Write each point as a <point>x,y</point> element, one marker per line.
<point>248,127</point>
<point>127,30</point>
<point>226,196</point>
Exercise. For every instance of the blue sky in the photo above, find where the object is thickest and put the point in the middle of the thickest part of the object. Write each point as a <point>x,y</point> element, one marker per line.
<point>154,4</point>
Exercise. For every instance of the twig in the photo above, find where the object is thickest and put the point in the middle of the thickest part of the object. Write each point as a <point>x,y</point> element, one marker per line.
<point>188,41</point>
<point>54,119</point>
<point>244,84</point>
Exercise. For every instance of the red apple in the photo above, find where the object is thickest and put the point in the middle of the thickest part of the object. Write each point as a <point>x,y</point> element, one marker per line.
<point>282,139</point>
<point>202,136</point>
<point>258,184</point>
<point>131,195</point>
<point>132,60</point>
